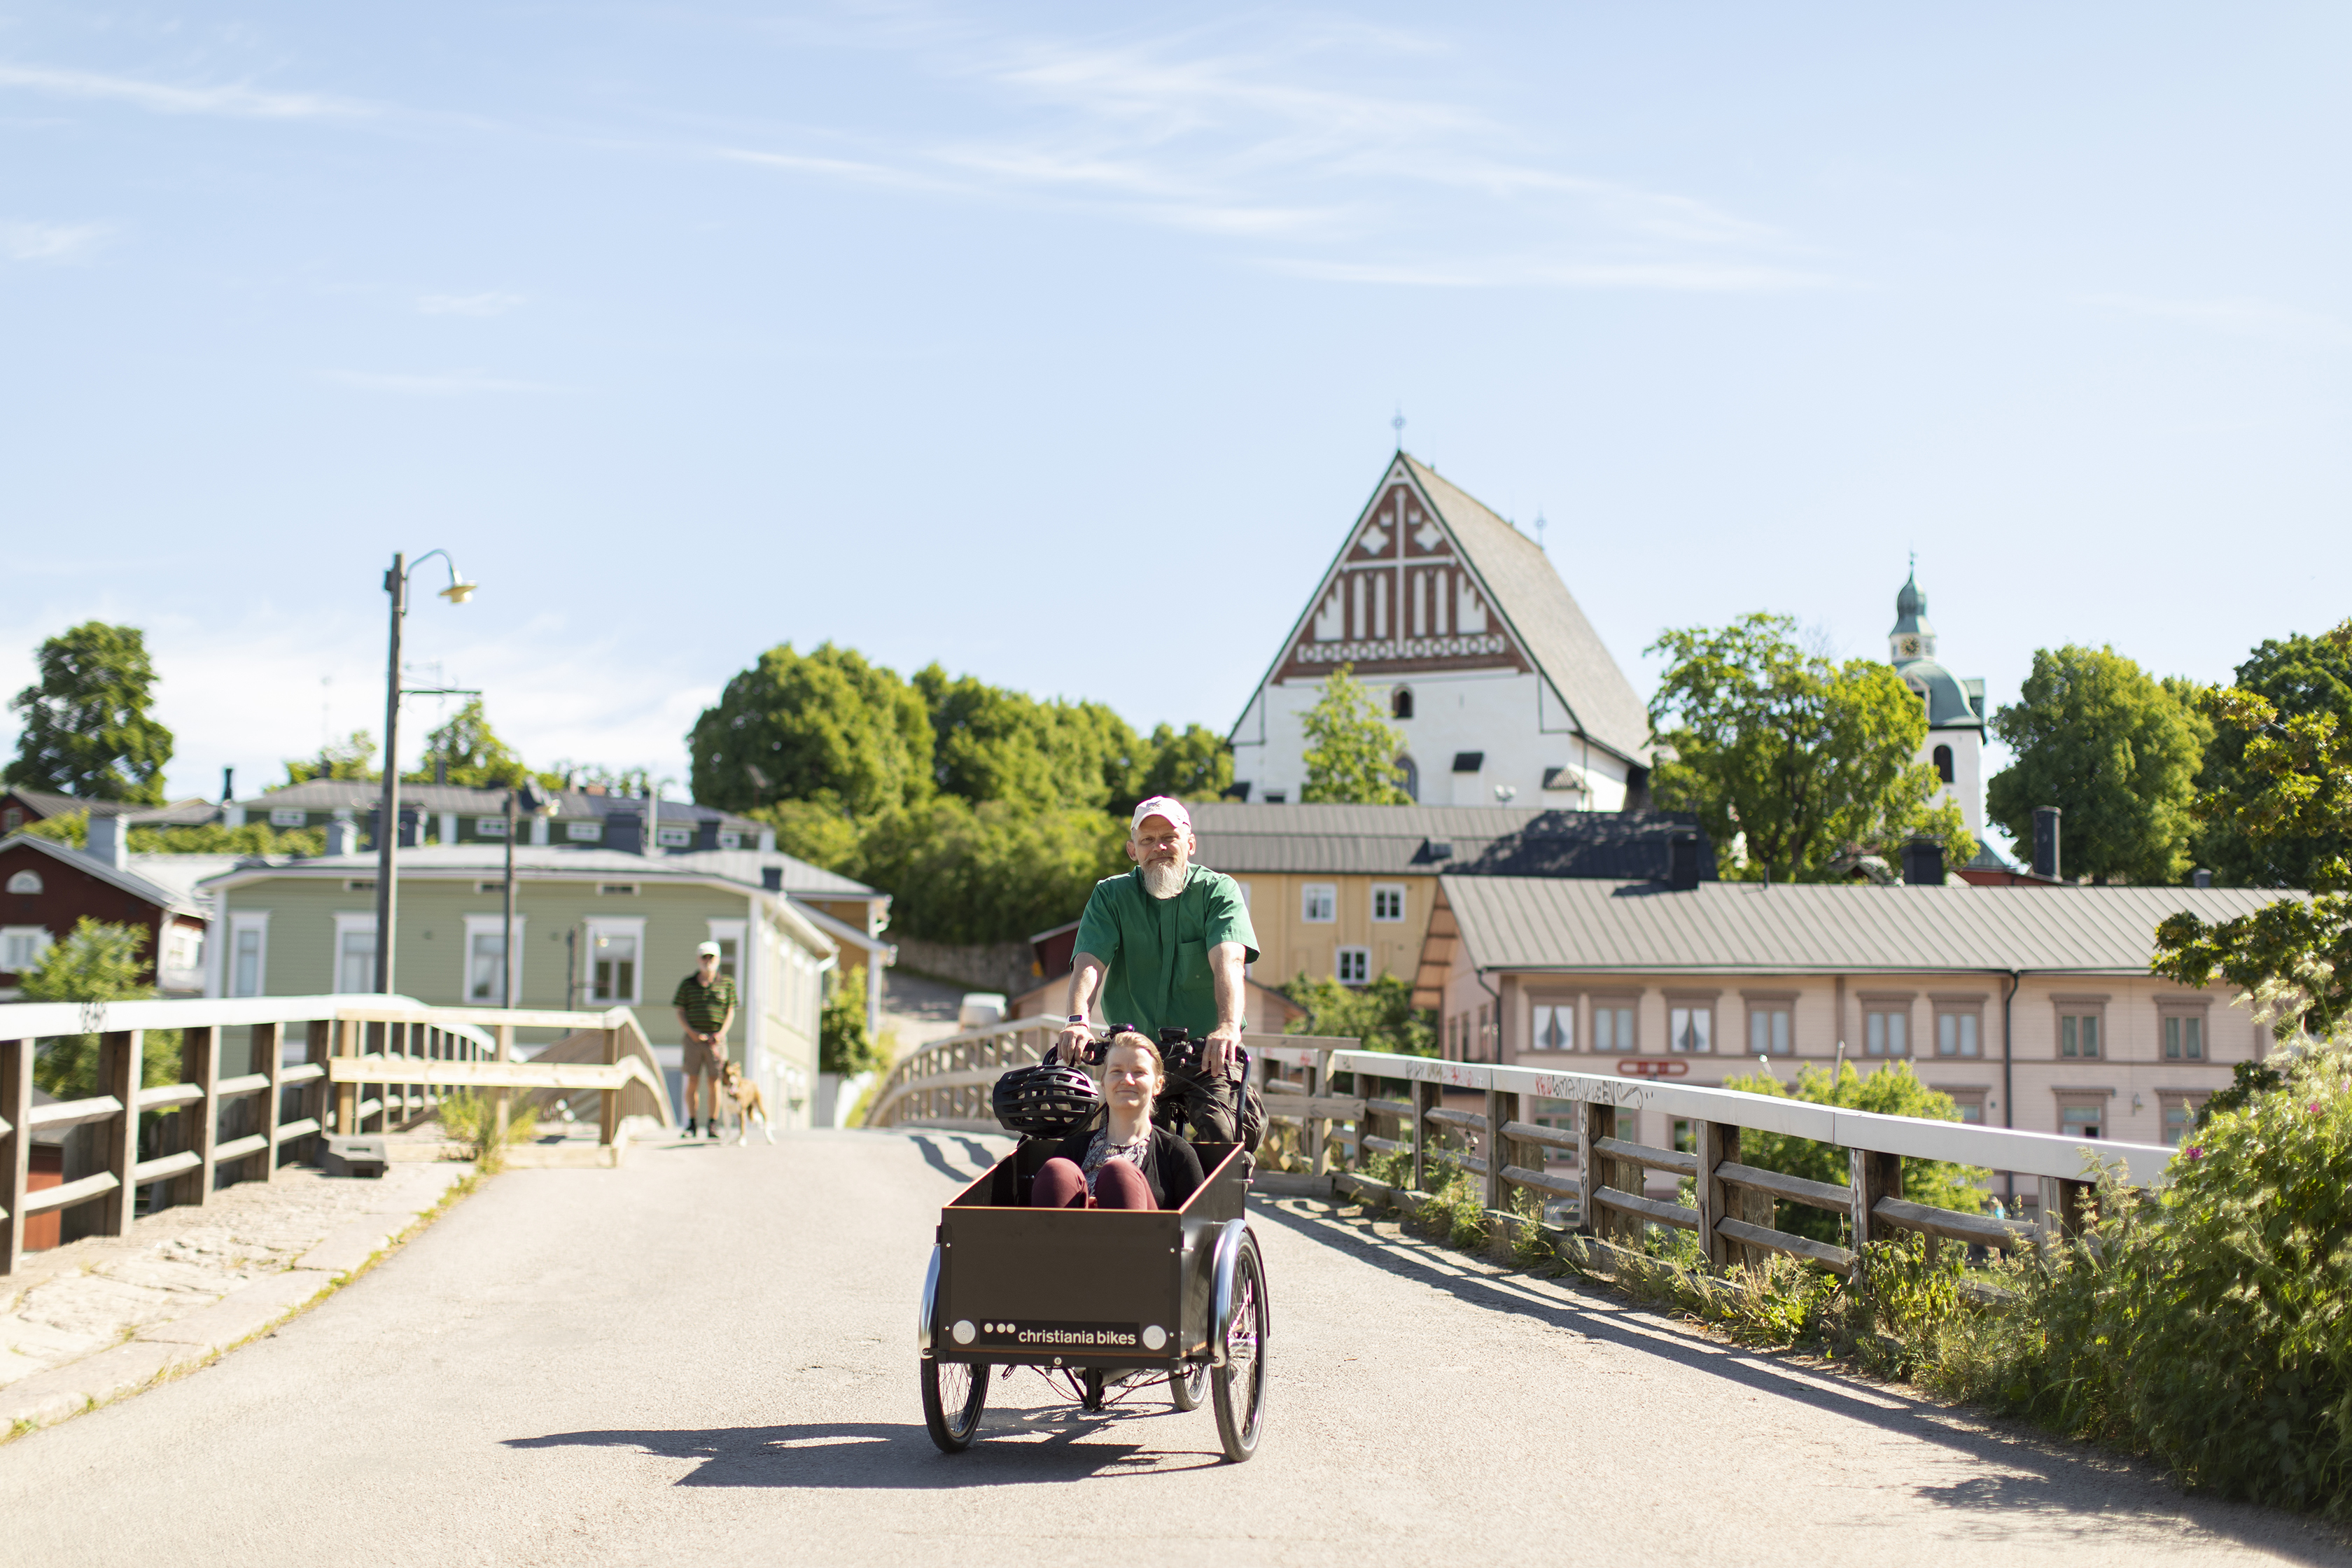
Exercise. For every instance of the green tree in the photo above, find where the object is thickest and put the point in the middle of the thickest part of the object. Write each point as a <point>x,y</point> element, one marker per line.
<point>203,838</point>
<point>1351,750</point>
<point>473,753</point>
<point>351,761</point>
<point>2297,675</point>
<point>2112,747</point>
<point>1893,1091</point>
<point>86,728</point>
<point>826,726</point>
<point>991,872</point>
<point>991,743</point>
<point>1759,737</point>
<point>1381,1015</point>
<point>1195,766</point>
<point>2291,786</point>
<point>99,961</point>
<point>843,1044</point>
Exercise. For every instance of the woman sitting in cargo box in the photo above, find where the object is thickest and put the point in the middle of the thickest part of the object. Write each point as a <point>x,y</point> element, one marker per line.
<point>1123,1162</point>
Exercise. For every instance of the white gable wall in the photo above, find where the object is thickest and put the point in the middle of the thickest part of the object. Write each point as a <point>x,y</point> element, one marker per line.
<point>1516,719</point>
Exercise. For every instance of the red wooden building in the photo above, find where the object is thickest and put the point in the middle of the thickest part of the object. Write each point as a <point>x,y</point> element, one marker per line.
<point>46,886</point>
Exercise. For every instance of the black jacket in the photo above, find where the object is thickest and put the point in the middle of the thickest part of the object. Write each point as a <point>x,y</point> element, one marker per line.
<point>1171,1168</point>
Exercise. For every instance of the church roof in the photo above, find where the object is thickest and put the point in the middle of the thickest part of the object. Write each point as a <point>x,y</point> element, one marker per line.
<point>1948,703</point>
<point>1528,591</point>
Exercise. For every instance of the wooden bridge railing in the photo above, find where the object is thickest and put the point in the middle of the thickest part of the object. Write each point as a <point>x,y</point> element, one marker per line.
<point>371,1063</point>
<point>947,1082</point>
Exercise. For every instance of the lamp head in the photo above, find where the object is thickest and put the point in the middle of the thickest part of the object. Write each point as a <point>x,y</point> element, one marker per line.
<point>459,591</point>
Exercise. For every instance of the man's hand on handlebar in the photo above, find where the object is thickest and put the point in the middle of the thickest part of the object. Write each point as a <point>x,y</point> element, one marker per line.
<point>1217,1051</point>
<point>1072,1046</point>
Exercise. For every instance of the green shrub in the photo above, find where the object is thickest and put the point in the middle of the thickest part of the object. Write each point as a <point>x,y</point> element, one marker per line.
<point>2208,1326</point>
<point>98,962</point>
<point>471,1118</point>
<point>843,1045</point>
<point>1893,1091</point>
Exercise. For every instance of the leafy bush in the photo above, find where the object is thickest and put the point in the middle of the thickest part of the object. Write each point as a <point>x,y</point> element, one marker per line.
<point>967,873</point>
<point>2208,1326</point>
<point>843,1045</point>
<point>200,838</point>
<point>1380,1015</point>
<point>1893,1090</point>
<point>99,961</point>
<point>470,1116</point>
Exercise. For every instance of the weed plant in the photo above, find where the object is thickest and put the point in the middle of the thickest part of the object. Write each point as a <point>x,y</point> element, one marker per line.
<point>470,1118</point>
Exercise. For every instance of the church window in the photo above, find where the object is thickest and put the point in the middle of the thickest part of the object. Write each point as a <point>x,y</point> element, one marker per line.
<point>1401,702</point>
<point>1944,763</point>
<point>1409,777</point>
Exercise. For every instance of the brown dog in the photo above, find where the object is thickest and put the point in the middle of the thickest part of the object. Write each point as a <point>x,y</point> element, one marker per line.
<point>750,1104</point>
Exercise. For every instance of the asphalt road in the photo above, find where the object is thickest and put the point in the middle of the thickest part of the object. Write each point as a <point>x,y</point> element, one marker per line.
<point>704,1358</point>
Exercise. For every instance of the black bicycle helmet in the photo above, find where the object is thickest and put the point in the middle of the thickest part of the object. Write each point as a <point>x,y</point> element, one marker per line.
<point>1046,1102</point>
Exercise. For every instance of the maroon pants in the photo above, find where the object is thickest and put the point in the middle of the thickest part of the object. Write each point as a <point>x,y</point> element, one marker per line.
<point>1118,1185</point>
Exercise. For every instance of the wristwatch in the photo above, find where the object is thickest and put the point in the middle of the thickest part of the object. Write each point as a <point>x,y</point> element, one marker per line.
<point>1075,1018</point>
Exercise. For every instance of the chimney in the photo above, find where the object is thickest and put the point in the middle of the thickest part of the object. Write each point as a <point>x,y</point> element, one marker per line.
<point>767,841</point>
<point>626,830</point>
<point>108,842</point>
<point>441,769</point>
<point>2200,878</point>
<point>343,838</point>
<point>228,786</point>
<point>771,878</point>
<point>1923,863</point>
<point>1682,863</point>
<point>2045,842</point>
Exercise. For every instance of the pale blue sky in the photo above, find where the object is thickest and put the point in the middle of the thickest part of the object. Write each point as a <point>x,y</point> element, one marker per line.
<point>1063,351</point>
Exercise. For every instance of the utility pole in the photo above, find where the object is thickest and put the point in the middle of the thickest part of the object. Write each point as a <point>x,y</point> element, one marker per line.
<point>387,821</point>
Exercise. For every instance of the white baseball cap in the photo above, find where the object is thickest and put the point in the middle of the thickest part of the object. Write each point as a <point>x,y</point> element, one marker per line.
<point>1166,806</point>
<point>708,950</point>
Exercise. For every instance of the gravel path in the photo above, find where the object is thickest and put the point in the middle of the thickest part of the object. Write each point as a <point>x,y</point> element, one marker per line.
<point>707,1358</point>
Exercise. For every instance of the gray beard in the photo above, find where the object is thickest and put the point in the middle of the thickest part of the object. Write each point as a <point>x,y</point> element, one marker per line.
<point>1163,881</point>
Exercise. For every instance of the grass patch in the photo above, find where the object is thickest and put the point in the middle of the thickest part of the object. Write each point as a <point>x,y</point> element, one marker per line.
<point>470,1118</point>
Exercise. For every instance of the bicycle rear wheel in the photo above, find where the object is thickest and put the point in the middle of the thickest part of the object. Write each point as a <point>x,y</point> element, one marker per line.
<point>954,1394</point>
<point>1239,1385</point>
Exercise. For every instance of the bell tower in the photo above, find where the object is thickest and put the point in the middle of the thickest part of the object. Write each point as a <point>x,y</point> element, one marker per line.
<point>1913,637</point>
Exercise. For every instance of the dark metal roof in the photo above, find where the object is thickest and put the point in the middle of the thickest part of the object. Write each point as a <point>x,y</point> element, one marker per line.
<point>802,880</point>
<point>1407,840</point>
<point>1568,925</point>
<point>45,804</point>
<point>360,796</point>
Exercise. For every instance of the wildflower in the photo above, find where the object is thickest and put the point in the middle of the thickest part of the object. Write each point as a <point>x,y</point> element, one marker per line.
<point>2196,1152</point>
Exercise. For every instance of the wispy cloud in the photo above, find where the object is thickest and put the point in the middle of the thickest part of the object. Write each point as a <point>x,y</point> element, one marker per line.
<point>236,100</point>
<point>1311,139</point>
<point>50,241</point>
<point>2261,319</point>
<point>441,384</point>
<point>486,304</point>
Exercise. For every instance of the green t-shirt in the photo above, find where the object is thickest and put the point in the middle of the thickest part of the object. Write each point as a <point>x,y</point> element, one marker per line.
<point>705,1005</point>
<point>1158,949</point>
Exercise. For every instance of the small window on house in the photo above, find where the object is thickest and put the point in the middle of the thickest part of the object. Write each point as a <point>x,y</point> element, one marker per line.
<point>2082,1119</point>
<point>2184,1037</point>
<point>25,882</point>
<point>1388,901</point>
<point>1956,1034</point>
<point>2180,1117</point>
<point>618,889</point>
<point>1970,1102</point>
<point>2078,1036</point>
<point>731,841</point>
<point>1769,1031</point>
<point>360,885</point>
<point>354,961</point>
<point>245,967</point>
<point>289,816</point>
<point>612,975</point>
<point>1354,966</point>
<point>1555,1026</point>
<point>1401,702</point>
<point>727,955</point>
<point>1944,763</point>
<point>1612,1028</point>
<point>1319,904</point>
<point>1886,1032</point>
<point>1690,1031</point>
<point>584,832</point>
<point>674,837</point>
<point>486,968</point>
<point>1277,796</point>
<point>489,827</point>
<point>21,947</point>
<point>1408,776</point>
<point>12,819</point>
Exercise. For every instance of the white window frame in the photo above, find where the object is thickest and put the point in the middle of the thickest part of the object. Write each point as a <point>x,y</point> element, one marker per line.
<point>289,816</point>
<point>1381,890</point>
<point>598,926</point>
<point>1308,903</point>
<point>730,839</point>
<point>40,936</point>
<point>25,883</point>
<point>239,922</point>
<point>489,827</point>
<point>674,837</point>
<point>1695,1017</point>
<point>738,932</point>
<point>1559,1011</point>
<point>584,832</point>
<point>1363,957</point>
<point>487,925</point>
<point>350,922</point>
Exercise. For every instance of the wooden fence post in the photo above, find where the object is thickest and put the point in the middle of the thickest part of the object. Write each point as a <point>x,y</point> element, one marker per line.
<point>1426,1097</point>
<point>1873,1176</point>
<point>118,1053</point>
<point>317,1048</point>
<point>200,1123</point>
<point>1318,1081</point>
<point>608,1119</point>
<point>504,1098</point>
<point>1713,1142</point>
<point>16,1146</point>
<point>2063,1204</point>
<point>266,1053</point>
<point>346,1096</point>
<point>1593,1169</point>
<point>1502,1110</point>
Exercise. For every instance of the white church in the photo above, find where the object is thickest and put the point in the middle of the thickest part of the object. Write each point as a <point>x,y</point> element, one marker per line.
<point>1504,693</point>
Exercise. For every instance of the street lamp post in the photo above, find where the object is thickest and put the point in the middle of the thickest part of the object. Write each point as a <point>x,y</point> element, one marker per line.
<point>387,828</point>
<point>524,800</point>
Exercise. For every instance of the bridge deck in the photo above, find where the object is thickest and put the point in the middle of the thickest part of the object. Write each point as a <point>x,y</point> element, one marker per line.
<point>706,1358</point>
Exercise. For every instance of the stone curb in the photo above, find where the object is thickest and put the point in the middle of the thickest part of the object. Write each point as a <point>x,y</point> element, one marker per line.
<point>238,1316</point>
<point>347,1248</point>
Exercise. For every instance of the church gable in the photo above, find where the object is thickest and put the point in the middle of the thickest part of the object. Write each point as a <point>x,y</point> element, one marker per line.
<point>1401,600</point>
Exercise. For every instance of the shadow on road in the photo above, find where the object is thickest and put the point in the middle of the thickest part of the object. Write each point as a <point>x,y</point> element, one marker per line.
<point>1017,1448</point>
<point>2032,1474</point>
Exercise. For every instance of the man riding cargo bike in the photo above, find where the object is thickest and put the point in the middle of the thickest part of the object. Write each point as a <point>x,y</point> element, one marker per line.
<point>1109,1251</point>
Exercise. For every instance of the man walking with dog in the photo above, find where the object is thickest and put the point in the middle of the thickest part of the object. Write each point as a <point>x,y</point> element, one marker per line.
<point>1166,946</point>
<point>706,1004</point>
